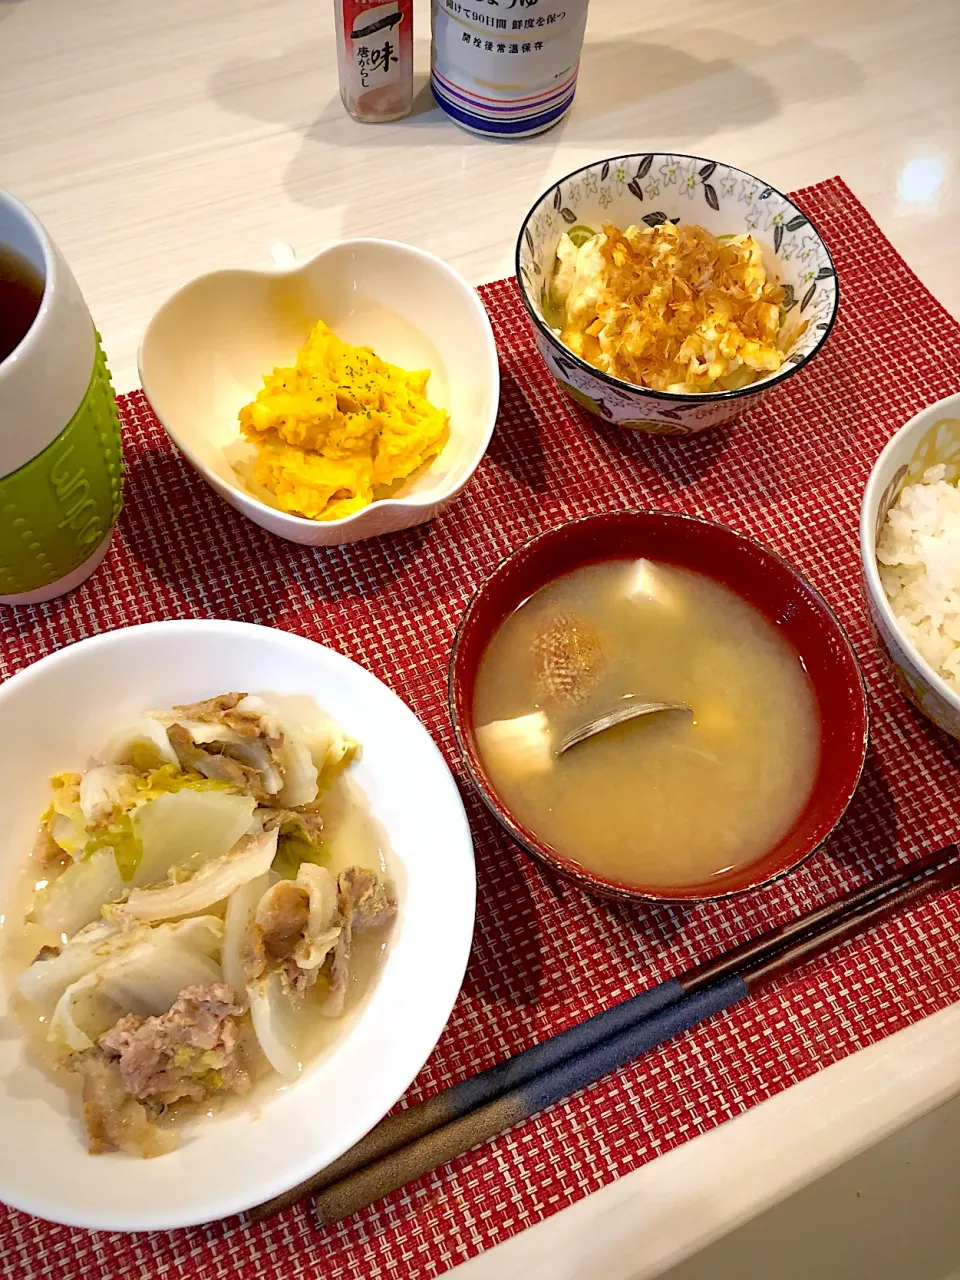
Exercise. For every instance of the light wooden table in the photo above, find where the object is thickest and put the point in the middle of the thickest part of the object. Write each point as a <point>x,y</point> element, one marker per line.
<point>160,141</point>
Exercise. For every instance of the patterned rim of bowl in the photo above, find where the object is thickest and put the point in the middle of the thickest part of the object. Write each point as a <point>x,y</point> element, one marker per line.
<point>753,388</point>
<point>843,654</point>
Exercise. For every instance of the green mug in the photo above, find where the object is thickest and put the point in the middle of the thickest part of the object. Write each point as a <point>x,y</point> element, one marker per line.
<point>61,467</point>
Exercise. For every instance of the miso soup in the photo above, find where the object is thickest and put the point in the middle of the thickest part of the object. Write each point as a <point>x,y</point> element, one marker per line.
<point>671,799</point>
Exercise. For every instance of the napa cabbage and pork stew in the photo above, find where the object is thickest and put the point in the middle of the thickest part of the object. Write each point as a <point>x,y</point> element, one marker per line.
<point>204,905</point>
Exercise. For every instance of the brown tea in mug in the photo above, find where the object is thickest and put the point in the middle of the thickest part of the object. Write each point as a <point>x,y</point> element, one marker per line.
<point>21,292</point>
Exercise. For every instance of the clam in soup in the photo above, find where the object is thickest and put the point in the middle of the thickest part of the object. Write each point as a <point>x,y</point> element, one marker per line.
<point>669,800</point>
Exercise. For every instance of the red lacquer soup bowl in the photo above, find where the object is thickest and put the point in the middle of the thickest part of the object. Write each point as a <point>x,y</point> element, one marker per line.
<point>756,574</point>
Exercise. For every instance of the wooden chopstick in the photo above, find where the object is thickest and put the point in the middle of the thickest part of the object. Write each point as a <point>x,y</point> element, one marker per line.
<point>408,1144</point>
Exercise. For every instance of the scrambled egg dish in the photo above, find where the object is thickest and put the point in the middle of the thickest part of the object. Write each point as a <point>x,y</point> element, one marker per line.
<point>669,307</point>
<point>339,427</point>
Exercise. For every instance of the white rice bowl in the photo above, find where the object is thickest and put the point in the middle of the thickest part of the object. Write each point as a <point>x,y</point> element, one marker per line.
<point>918,556</point>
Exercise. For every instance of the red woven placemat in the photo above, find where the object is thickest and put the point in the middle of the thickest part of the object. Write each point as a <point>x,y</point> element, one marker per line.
<point>545,955</point>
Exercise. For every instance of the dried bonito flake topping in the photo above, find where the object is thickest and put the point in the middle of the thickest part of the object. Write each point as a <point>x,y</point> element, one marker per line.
<point>670,307</point>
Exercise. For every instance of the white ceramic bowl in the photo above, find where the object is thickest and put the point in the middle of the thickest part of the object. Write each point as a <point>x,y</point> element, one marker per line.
<point>205,353</point>
<point>650,189</point>
<point>931,437</point>
<point>57,711</point>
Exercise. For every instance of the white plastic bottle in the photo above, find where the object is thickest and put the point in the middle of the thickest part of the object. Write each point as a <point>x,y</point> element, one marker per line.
<point>506,68</point>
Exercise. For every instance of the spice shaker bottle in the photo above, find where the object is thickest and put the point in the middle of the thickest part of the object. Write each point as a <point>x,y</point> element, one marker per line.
<point>375,58</point>
<point>506,68</point>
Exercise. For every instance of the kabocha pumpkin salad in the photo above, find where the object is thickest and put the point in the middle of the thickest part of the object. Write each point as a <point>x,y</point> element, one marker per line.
<point>339,428</point>
<point>188,924</point>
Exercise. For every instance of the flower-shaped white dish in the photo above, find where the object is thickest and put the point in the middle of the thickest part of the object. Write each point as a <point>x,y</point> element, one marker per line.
<point>59,711</point>
<point>930,438</point>
<point>651,189</point>
<point>207,349</point>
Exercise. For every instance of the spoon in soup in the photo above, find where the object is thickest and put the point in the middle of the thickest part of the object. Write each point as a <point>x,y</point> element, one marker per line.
<point>630,709</point>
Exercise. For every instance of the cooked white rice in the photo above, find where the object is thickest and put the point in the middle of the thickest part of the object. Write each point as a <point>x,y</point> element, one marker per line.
<point>918,556</point>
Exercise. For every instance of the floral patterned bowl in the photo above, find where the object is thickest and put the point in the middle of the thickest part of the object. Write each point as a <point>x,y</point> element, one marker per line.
<point>652,188</point>
<point>930,438</point>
